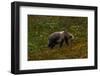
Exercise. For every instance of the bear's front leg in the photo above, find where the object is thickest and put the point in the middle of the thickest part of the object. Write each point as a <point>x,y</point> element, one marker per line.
<point>61,43</point>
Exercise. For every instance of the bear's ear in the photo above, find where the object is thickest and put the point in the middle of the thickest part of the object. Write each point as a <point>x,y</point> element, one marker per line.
<point>65,32</point>
<point>66,35</point>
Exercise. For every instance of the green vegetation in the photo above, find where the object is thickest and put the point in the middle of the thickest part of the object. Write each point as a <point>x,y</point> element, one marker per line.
<point>40,27</point>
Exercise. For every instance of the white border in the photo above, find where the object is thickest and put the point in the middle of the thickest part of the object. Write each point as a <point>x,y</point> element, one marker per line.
<point>26,65</point>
